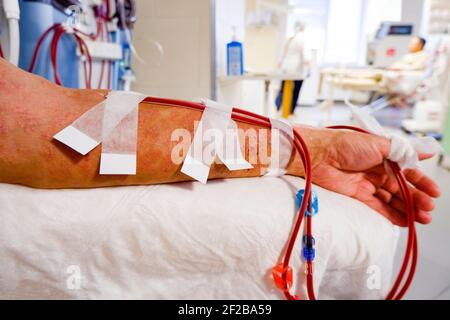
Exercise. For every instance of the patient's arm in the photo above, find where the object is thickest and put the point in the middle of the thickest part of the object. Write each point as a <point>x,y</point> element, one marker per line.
<point>32,110</point>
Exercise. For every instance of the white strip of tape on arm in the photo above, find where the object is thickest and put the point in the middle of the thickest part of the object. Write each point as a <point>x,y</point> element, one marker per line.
<point>231,154</point>
<point>92,127</point>
<point>211,139</point>
<point>282,136</point>
<point>119,148</point>
<point>120,134</point>
<point>404,150</point>
<point>113,122</point>
<point>85,133</point>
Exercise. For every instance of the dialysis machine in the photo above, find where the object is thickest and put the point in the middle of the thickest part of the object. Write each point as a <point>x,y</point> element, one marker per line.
<point>390,44</point>
<point>75,43</point>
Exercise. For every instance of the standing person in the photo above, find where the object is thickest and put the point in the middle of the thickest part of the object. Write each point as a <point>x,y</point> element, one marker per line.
<point>292,62</point>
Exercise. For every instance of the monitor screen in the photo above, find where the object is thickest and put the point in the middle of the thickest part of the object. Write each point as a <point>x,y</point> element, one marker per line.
<point>400,30</point>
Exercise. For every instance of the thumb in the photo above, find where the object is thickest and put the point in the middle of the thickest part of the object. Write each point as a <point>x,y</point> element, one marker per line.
<point>383,145</point>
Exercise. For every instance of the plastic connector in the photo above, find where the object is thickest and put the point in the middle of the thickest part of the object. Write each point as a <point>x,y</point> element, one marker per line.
<point>314,202</point>
<point>308,241</point>
<point>308,251</point>
<point>309,269</point>
<point>282,277</point>
<point>309,254</point>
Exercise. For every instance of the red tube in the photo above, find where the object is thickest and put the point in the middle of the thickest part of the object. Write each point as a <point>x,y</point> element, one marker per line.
<point>411,248</point>
<point>54,53</point>
<point>299,145</point>
<point>85,51</point>
<point>301,148</point>
<point>102,71</point>
<point>39,44</point>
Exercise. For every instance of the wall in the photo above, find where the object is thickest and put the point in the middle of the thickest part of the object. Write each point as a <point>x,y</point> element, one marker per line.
<point>261,50</point>
<point>413,11</point>
<point>263,43</point>
<point>229,14</point>
<point>183,28</point>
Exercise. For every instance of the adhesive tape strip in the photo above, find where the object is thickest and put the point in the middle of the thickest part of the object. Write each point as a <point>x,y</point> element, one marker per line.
<point>232,156</point>
<point>282,136</point>
<point>112,122</point>
<point>76,139</point>
<point>216,135</point>
<point>119,148</point>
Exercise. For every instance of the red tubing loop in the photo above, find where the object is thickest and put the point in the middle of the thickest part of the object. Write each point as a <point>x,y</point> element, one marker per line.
<point>102,17</point>
<point>410,258</point>
<point>58,31</point>
<point>1,52</point>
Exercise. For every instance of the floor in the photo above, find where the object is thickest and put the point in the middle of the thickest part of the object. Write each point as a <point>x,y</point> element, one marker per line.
<point>432,279</point>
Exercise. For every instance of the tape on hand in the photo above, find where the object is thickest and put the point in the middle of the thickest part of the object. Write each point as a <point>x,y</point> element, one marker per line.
<point>282,136</point>
<point>404,150</point>
<point>216,136</point>
<point>112,122</point>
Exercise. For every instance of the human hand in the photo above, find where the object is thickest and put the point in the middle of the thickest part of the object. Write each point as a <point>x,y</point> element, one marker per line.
<point>353,164</point>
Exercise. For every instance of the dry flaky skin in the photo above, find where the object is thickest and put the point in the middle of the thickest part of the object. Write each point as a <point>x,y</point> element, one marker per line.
<point>33,110</point>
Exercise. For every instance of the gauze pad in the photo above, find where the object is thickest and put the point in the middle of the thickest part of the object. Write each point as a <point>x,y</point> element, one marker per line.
<point>282,136</point>
<point>216,135</point>
<point>403,150</point>
<point>112,122</point>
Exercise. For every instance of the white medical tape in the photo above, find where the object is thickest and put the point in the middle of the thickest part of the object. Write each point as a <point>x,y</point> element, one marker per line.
<point>119,147</point>
<point>112,122</point>
<point>216,135</point>
<point>403,150</point>
<point>282,136</point>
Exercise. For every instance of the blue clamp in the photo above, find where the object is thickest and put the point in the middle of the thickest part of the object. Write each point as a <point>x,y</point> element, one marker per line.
<point>308,252</point>
<point>314,202</point>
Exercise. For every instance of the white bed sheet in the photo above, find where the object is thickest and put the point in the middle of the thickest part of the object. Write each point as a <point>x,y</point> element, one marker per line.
<point>184,241</point>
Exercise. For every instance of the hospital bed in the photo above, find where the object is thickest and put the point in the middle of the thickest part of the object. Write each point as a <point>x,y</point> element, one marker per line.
<point>427,90</point>
<point>393,84</point>
<point>185,241</point>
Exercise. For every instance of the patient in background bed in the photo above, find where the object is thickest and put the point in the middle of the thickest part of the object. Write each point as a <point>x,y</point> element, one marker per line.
<point>32,110</point>
<point>415,60</point>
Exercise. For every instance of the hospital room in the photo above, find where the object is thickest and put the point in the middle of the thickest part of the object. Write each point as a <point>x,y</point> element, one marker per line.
<point>205,151</point>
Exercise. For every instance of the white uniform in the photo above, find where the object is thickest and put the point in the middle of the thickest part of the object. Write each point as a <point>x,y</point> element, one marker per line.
<point>293,59</point>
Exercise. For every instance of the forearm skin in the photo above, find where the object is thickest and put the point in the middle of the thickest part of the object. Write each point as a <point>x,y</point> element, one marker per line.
<point>33,110</point>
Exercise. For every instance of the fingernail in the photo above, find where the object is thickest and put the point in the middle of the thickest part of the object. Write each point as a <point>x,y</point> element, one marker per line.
<point>437,191</point>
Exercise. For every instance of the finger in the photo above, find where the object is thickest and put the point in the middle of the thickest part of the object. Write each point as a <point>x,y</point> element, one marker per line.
<point>421,216</point>
<point>423,204</point>
<point>383,195</point>
<point>383,144</point>
<point>422,182</point>
<point>392,185</point>
<point>365,189</point>
<point>395,216</point>
<point>377,178</point>
<point>366,195</point>
<point>422,201</point>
